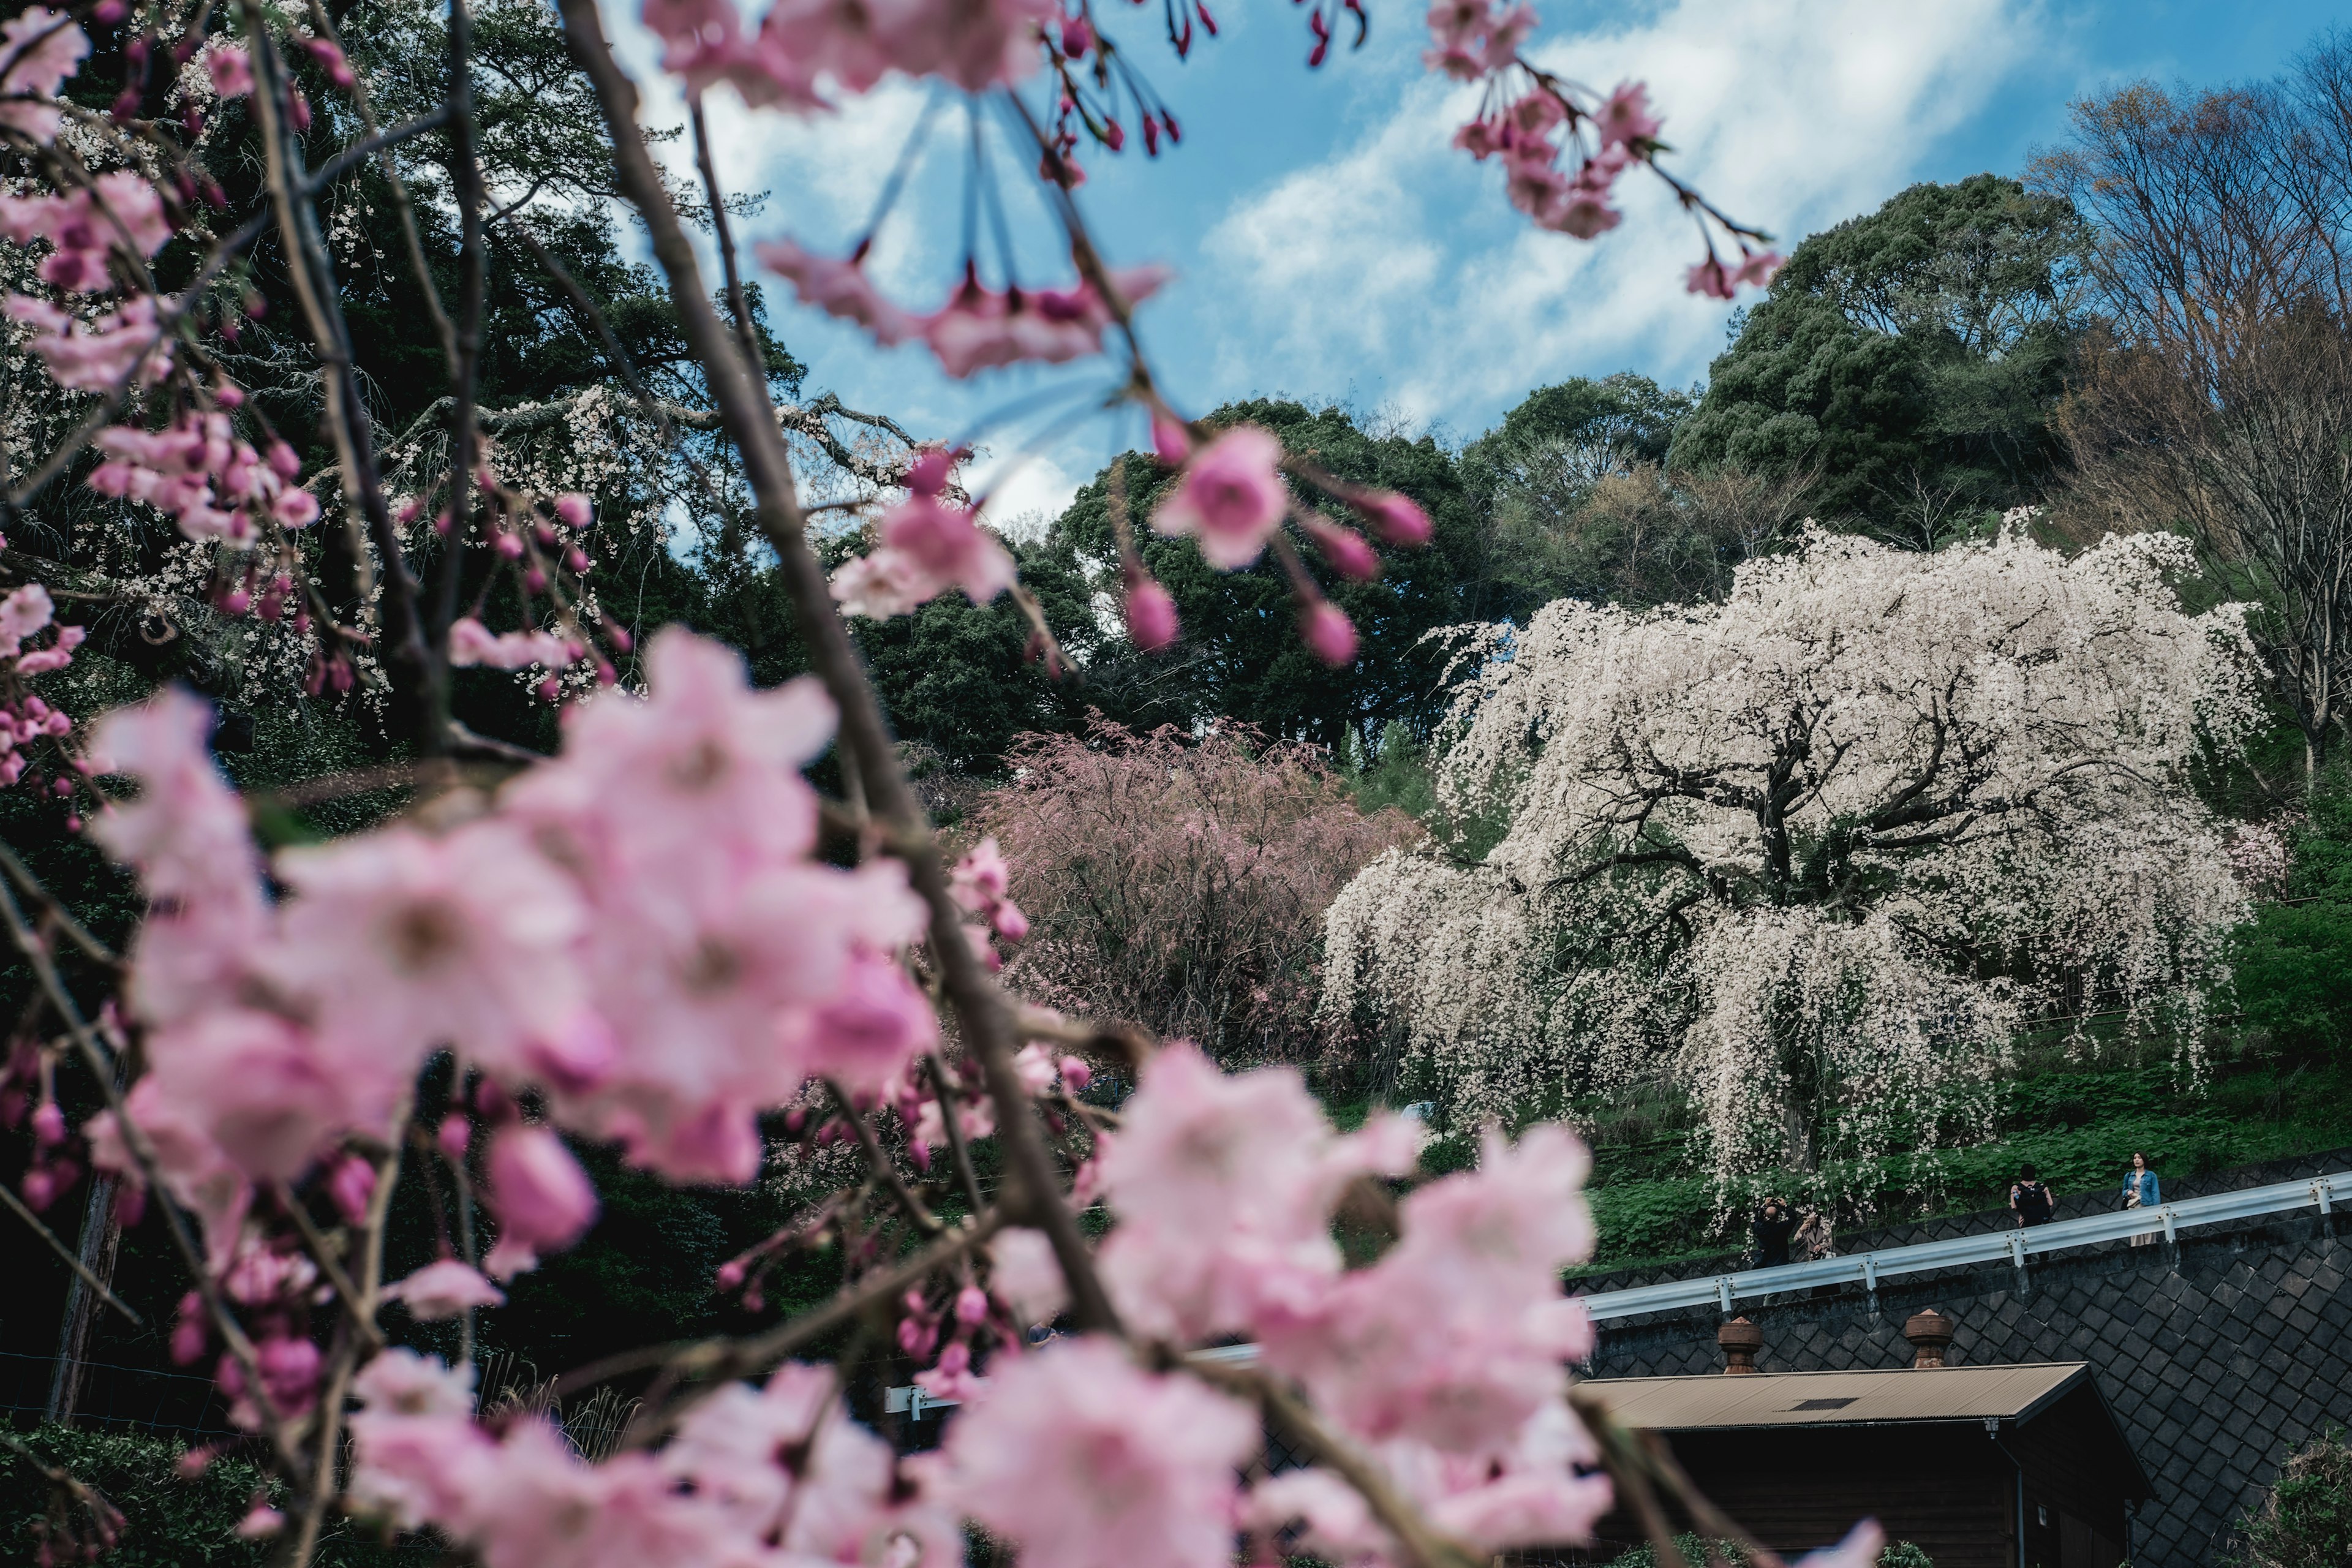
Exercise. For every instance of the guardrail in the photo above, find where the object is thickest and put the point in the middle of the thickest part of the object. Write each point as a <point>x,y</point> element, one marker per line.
<point>2013,1246</point>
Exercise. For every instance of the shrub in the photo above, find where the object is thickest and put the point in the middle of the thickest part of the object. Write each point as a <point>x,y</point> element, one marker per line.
<point>2305,1519</point>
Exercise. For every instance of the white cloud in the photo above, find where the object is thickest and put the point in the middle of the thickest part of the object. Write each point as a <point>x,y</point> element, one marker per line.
<point>1401,252</point>
<point>1025,495</point>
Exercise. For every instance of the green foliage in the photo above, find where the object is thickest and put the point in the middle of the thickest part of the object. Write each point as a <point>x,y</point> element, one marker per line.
<point>1908,361</point>
<point>167,1522</point>
<point>2305,1521</point>
<point>2294,960</point>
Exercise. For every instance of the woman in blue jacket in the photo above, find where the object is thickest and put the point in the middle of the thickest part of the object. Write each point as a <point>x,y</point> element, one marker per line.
<point>2141,1192</point>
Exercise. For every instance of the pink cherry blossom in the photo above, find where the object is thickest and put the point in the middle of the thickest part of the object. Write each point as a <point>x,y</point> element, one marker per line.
<point>947,546</point>
<point>1224,1186</point>
<point>23,614</point>
<point>1025,1275</point>
<point>1625,119</point>
<point>975,46</point>
<point>444,1290</point>
<point>472,643</point>
<point>978,328</point>
<point>100,354</point>
<point>38,49</point>
<point>1758,267</point>
<point>575,510</point>
<point>84,227</point>
<point>877,1024</point>
<point>839,289</point>
<point>407,941</point>
<point>1080,1459</point>
<point>230,68</point>
<point>1455,1337</point>
<point>415,1447</point>
<point>881,584</point>
<point>1711,280</point>
<point>1230,498</point>
<point>540,1196</point>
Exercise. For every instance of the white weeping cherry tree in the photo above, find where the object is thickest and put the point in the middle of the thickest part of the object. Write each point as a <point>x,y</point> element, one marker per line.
<point>1813,855</point>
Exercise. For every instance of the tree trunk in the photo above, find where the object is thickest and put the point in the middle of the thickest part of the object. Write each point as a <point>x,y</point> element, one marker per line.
<point>102,1238</point>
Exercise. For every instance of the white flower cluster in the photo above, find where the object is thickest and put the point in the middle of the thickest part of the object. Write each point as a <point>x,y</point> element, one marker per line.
<point>1815,853</point>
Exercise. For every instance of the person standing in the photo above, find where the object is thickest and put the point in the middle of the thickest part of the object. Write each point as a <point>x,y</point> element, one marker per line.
<point>1774,1225</point>
<point>2028,1199</point>
<point>2141,1192</point>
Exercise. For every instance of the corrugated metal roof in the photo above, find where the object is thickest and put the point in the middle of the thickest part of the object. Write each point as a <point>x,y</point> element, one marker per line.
<point>1836,1398</point>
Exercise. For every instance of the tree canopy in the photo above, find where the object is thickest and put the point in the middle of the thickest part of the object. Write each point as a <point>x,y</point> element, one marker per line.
<point>1905,361</point>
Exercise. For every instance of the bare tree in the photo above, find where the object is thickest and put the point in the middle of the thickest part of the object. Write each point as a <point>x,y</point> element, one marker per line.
<point>2218,399</point>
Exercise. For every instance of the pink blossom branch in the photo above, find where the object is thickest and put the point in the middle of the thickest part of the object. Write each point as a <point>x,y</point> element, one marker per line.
<point>1422,1544</point>
<point>716,1361</point>
<point>94,1056</point>
<point>982,1008</point>
<point>925,1220</point>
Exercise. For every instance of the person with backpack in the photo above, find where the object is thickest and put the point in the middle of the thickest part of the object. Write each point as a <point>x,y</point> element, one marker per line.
<point>2030,1201</point>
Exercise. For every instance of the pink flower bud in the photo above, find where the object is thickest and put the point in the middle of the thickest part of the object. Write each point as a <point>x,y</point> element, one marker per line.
<point>40,1187</point>
<point>1150,613</point>
<point>542,1199</point>
<point>1395,519</point>
<point>1010,922</point>
<point>1346,551</point>
<point>754,1300</point>
<point>1328,633</point>
<point>1076,1074</point>
<point>730,1274</point>
<point>235,602</point>
<point>1076,37</point>
<point>283,462</point>
<point>1169,440</point>
<point>49,1122</point>
<point>550,690</point>
<point>575,560</point>
<point>919,1153</point>
<point>574,510</point>
<point>956,1359</point>
<point>491,1098</point>
<point>534,580</point>
<point>352,1185</point>
<point>107,12</point>
<point>298,109</point>
<point>187,1340</point>
<point>129,1198</point>
<point>971,1305</point>
<point>193,1464</point>
<point>508,546</point>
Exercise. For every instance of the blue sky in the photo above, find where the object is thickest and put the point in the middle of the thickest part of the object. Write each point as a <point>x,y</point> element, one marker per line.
<point>1329,244</point>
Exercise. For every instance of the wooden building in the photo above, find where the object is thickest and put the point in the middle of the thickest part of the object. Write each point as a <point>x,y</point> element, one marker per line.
<point>1981,1467</point>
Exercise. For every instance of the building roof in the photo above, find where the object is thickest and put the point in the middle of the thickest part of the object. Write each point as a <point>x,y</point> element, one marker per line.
<point>1722,1402</point>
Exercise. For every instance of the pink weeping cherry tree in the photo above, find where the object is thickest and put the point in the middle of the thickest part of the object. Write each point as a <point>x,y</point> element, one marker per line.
<point>636,942</point>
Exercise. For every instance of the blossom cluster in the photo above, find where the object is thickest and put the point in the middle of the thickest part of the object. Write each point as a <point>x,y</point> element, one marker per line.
<point>635,931</point>
<point>802,43</point>
<point>978,328</point>
<point>25,718</point>
<point>198,472</point>
<point>1443,1360</point>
